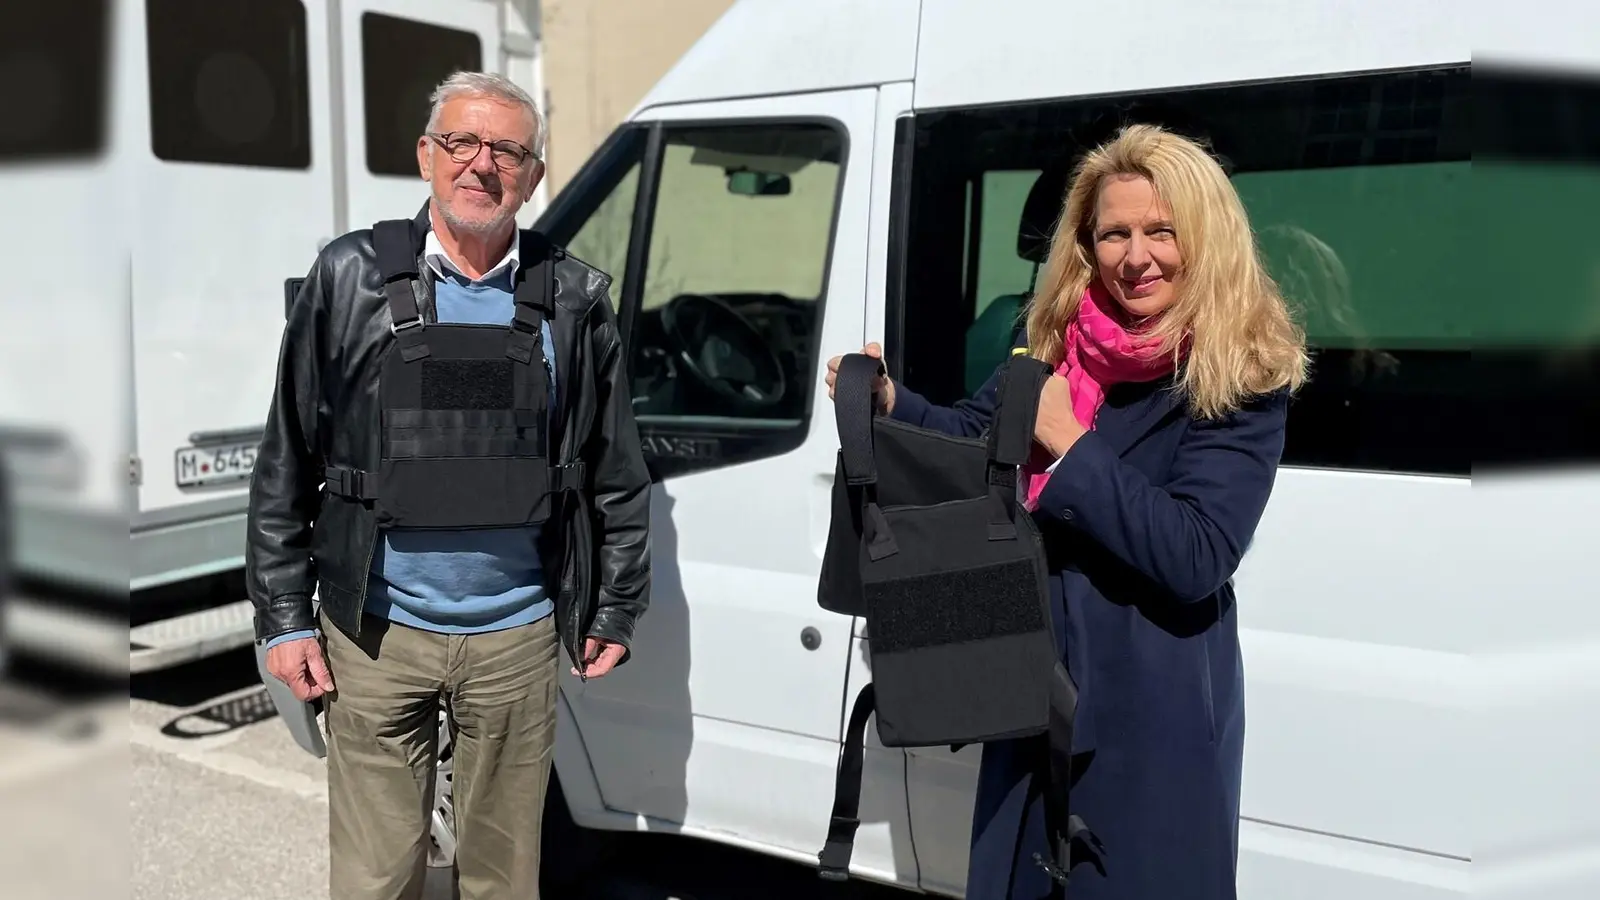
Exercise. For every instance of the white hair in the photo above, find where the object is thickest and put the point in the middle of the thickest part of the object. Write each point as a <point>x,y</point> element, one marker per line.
<point>488,84</point>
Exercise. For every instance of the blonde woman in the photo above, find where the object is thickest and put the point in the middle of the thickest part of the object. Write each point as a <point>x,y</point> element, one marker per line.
<point>1157,446</point>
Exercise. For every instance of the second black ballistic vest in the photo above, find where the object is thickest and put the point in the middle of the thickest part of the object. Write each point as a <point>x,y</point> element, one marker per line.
<point>464,417</point>
<point>930,544</point>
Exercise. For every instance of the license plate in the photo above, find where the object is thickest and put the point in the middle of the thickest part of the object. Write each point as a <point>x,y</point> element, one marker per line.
<point>214,464</point>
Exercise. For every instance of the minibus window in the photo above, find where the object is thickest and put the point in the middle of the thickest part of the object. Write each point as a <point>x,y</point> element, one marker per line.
<point>401,62</point>
<point>57,57</point>
<point>1419,271</point>
<point>228,82</point>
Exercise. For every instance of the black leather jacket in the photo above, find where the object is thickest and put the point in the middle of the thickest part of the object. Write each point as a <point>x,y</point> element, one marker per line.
<point>324,411</point>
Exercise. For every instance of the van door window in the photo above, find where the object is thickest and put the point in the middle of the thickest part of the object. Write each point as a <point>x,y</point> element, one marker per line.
<point>719,279</point>
<point>592,216</point>
<point>724,322</point>
<point>602,240</point>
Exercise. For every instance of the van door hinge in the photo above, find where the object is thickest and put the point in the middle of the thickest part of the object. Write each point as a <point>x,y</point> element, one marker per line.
<point>135,471</point>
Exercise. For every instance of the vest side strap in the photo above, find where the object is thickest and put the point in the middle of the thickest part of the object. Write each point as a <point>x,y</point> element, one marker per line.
<point>833,863</point>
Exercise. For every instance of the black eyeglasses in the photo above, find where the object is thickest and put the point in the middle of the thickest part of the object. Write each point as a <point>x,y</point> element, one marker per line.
<point>463,147</point>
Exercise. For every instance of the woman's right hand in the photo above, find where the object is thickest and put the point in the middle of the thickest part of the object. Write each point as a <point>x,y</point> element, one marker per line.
<point>883,391</point>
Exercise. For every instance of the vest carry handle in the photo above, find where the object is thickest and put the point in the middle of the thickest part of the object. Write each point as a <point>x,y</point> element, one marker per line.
<point>853,412</point>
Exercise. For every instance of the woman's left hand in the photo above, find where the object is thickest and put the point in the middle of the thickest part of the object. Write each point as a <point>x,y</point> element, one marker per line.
<point>1056,428</point>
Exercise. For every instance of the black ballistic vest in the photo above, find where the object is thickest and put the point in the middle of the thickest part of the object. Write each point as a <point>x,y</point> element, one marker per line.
<point>464,413</point>
<point>929,544</point>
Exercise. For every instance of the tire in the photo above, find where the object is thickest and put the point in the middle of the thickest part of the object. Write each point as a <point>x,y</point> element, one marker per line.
<point>442,822</point>
<point>569,856</point>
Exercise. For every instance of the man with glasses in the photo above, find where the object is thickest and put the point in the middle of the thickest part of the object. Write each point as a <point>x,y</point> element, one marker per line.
<point>403,479</point>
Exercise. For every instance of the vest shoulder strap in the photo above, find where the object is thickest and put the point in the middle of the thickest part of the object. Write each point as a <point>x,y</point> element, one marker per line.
<point>535,294</point>
<point>395,244</point>
<point>1017,409</point>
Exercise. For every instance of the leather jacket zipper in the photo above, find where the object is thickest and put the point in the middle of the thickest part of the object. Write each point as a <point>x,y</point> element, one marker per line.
<point>573,509</point>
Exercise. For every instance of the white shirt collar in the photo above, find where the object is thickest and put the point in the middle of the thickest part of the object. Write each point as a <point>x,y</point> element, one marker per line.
<point>439,260</point>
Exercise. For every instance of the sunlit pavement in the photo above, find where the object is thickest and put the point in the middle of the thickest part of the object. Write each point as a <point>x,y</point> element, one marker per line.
<point>196,789</point>
<point>64,792</point>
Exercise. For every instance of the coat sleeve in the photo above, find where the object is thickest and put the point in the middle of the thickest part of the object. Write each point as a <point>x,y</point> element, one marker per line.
<point>286,483</point>
<point>620,486</point>
<point>1189,534</point>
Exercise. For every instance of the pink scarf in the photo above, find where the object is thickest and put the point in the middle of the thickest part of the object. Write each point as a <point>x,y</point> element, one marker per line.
<point>1100,351</point>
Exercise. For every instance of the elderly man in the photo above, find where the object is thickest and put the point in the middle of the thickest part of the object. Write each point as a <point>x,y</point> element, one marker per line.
<point>451,461</point>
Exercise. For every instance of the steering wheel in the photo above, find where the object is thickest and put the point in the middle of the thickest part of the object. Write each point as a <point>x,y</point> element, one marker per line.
<point>723,351</point>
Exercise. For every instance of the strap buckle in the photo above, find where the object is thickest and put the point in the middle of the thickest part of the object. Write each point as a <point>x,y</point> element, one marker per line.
<point>572,476</point>
<point>344,482</point>
<point>1001,475</point>
<point>833,863</point>
<point>397,327</point>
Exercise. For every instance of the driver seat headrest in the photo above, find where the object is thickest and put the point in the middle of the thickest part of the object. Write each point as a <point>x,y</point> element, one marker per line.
<point>1040,212</point>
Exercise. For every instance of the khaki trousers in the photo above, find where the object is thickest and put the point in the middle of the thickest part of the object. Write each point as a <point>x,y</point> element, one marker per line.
<point>382,724</point>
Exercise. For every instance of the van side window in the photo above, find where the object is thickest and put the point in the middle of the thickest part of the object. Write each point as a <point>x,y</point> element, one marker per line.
<point>240,95</point>
<point>401,62</point>
<point>592,215</point>
<point>998,271</point>
<point>1358,190</point>
<point>60,53</point>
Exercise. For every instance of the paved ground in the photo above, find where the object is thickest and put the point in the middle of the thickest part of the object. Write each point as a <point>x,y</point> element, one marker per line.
<point>64,791</point>
<point>221,805</point>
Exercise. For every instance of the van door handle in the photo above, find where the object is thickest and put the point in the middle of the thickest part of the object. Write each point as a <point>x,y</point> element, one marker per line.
<point>821,509</point>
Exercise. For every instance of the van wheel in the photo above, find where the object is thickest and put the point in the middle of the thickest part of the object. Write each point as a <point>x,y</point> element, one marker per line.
<point>569,856</point>
<point>442,823</point>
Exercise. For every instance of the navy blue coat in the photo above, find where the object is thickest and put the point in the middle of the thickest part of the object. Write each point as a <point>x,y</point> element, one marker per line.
<point>1145,520</point>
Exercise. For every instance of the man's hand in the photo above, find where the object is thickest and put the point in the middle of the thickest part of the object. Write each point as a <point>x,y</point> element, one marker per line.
<point>300,665</point>
<point>599,656</point>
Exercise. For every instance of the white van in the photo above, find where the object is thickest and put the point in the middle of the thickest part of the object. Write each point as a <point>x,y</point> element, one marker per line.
<point>171,171</point>
<point>814,176</point>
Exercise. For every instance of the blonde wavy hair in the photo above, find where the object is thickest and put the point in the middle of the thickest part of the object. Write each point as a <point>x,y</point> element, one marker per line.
<point>1241,340</point>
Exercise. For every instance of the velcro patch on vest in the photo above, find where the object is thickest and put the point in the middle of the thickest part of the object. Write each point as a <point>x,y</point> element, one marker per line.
<point>928,610</point>
<point>468,384</point>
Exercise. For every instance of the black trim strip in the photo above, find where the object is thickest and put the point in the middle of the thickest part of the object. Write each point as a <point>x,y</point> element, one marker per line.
<point>894,310</point>
<point>644,209</point>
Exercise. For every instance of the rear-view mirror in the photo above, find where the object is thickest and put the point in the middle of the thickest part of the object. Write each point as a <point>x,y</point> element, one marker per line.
<point>750,183</point>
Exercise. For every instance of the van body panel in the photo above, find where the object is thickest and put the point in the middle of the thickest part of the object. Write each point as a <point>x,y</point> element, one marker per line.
<point>767,49</point>
<point>1012,51</point>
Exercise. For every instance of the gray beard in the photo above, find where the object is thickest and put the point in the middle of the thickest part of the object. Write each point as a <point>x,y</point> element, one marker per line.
<point>478,228</point>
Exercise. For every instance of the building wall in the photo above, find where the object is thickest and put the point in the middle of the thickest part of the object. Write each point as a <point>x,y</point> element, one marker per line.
<point>600,58</point>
